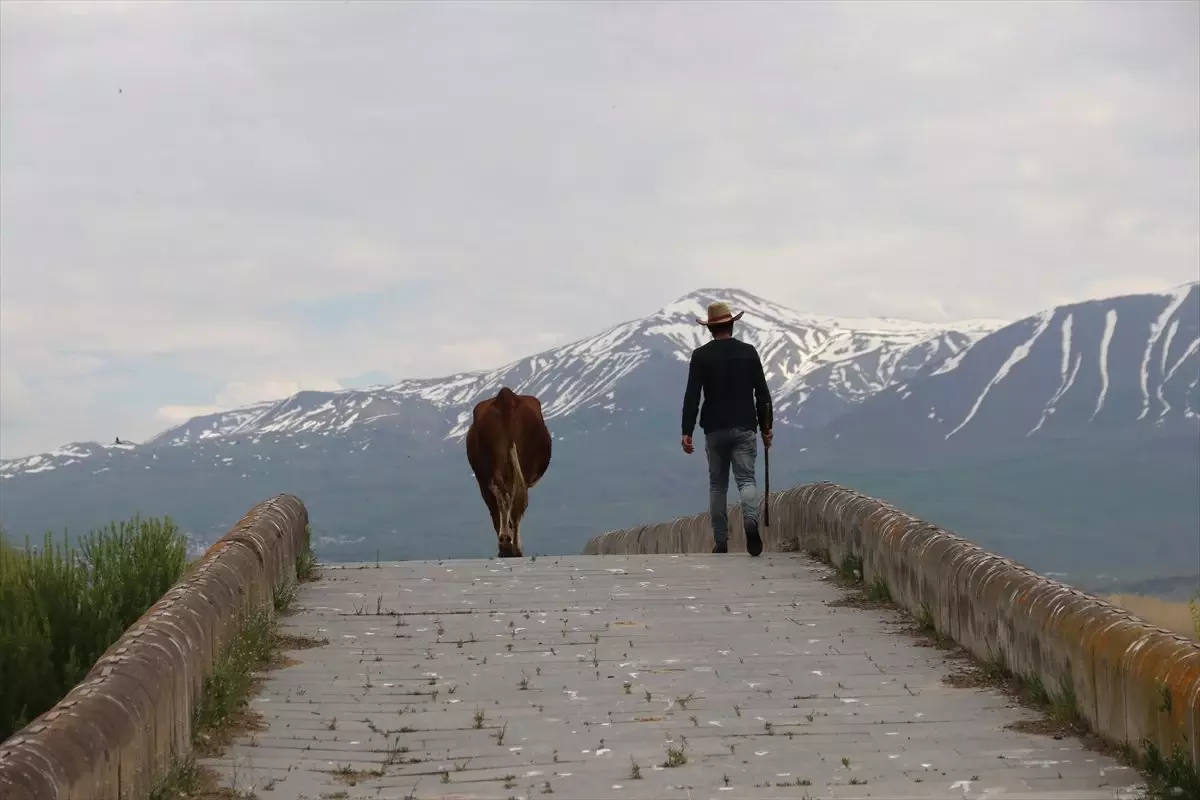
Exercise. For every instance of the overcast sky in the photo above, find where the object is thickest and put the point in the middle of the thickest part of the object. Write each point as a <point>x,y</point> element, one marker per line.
<point>206,204</point>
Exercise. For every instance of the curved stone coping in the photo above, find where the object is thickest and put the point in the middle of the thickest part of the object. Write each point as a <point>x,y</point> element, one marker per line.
<point>1133,682</point>
<point>117,732</point>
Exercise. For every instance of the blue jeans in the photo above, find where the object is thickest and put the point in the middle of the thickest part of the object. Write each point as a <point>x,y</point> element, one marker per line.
<point>736,448</point>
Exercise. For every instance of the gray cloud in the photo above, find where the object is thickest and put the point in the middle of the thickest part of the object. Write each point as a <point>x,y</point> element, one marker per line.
<point>201,199</point>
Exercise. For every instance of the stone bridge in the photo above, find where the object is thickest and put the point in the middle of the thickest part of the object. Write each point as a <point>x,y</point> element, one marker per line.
<point>865,654</point>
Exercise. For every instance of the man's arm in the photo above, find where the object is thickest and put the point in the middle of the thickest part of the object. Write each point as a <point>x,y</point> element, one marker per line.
<point>691,396</point>
<point>762,396</point>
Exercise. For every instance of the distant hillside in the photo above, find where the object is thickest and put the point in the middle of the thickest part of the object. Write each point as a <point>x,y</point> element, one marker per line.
<point>1103,514</point>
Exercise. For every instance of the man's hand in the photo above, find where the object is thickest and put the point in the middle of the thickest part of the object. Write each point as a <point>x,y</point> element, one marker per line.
<point>766,437</point>
<point>687,445</point>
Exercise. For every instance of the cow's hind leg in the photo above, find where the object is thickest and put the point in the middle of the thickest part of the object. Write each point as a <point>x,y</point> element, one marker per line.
<point>504,530</point>
<point>518,500</point>
<point>494,509</point>
<point>520,503</point>
<point>514,528</point>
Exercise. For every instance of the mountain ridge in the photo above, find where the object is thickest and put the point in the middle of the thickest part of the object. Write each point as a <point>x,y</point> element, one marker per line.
<point>811,360</point>
<point>671,331</point>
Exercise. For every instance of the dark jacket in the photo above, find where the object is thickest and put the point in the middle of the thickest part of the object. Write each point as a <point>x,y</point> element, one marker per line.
<point>735,389</point>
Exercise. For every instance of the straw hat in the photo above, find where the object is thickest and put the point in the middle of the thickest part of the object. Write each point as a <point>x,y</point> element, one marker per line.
<point>718,313</point>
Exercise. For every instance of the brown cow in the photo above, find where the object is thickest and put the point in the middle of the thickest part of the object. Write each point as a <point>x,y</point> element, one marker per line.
<point>508,447</point>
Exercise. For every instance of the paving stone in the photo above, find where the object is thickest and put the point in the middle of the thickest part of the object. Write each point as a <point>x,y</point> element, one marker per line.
<point>583,666</point>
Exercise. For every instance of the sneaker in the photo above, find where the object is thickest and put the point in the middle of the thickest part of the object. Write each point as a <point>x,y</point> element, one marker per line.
<point>721,547</point>
<point>753,540</point>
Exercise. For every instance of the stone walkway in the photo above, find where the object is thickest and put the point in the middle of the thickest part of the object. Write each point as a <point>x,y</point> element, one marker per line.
<point>648,677</point>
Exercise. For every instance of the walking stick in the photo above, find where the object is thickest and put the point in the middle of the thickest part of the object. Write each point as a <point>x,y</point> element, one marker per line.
<point>766,486</point>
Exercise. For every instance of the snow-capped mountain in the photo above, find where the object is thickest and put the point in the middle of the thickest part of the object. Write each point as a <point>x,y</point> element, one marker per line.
<point>916,413</point>
<point>817,368</point>
<point>1121,366</point>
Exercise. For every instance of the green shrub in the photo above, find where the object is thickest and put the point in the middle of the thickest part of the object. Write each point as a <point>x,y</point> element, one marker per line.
<point>306,559</point>
<point>65,605</point>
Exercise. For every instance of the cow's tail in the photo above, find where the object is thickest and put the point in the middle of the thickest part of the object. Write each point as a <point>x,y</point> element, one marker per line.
<point>518,483</point>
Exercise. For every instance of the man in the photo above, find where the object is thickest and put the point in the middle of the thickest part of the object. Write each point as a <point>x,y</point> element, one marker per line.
<point>737,403</point>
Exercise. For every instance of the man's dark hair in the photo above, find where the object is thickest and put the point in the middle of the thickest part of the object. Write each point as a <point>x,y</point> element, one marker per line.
<point>721,329</point>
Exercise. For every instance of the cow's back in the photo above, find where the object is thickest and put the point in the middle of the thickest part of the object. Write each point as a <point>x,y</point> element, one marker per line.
<point>505,420</point>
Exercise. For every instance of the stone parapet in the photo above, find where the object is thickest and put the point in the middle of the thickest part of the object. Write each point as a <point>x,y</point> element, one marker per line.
<point>1134,683</point>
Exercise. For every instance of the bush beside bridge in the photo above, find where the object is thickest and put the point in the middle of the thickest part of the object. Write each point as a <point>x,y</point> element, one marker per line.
<point>65,605</point>
<point>127,727</point>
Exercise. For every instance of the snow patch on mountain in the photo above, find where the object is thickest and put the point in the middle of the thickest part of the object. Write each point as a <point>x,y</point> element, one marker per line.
<point>1015,357</point>
<point>1177,298</point>
<point>1065,380</point>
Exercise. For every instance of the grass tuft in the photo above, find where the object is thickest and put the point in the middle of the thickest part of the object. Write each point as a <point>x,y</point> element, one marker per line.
<point>850,571</point>
<point>307,569</point>
<point>925,622</point>
<point>1170,776</point>
<point>676,756</point>
<point>878,591</point>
